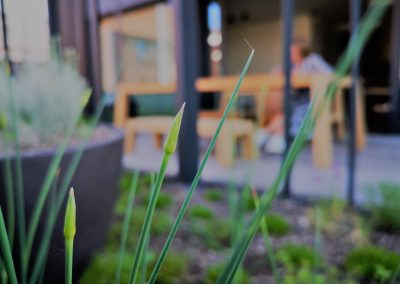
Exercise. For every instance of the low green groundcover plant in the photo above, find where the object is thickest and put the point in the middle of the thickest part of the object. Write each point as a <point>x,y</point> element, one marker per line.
<point>248,200</point>
<point>164,200</point>
<point>200,211</point>
<point>126,181</point>
<point>142,191</point>
<point>220,229</point>
<point>241,277</point>
<point>213,195</point>
<point>293,256</point>
<point>306,274</point>
<point>385,207</point>
<point>277,224</point>
<point>373,263</point>
<point>173,270</point>
<point>332,212</point>
<point>102,268</point>
<point>114,237</point>
<point>161,224</point>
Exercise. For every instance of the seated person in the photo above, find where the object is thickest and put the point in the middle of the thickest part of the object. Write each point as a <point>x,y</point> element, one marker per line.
<point>271,138</point>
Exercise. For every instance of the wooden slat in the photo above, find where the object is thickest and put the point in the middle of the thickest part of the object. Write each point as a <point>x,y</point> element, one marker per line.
<point>132,89</point>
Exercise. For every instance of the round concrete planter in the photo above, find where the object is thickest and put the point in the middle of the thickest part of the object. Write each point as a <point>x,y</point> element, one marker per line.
<point>96,188</point>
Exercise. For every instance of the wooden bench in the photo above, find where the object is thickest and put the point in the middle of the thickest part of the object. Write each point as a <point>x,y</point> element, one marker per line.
<point>235,129</point>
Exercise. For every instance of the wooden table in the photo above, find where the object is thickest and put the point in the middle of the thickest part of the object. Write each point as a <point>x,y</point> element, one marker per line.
<point>322,142</point>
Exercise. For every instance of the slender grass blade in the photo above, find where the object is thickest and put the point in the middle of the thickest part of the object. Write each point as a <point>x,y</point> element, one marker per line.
<point>196,180</point>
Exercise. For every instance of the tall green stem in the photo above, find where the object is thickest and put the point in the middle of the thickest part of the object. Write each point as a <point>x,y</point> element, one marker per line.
<point>6,251</point>
<point>45,242</point>
<point>267,241</point>
<point>69,253</point>
<point>48,181</point>
<point>20,200</point>
<point>196,180</point>
<point>7,170</point>
<point>169,148</point>
<point>149,216</point>
<point>357,42</point>
<point>69,234</point>
<point>144,264</point>
<point>3,272</point>
<point>125,228</point>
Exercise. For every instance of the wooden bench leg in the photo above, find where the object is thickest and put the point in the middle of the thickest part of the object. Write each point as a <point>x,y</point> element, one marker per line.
<point>339,113</point>
<point>249,152</point>
<point>129,142</point>
<point>158,140</point>
<point>361,139</point>
<point>322,144</point>
<point>225,149</point>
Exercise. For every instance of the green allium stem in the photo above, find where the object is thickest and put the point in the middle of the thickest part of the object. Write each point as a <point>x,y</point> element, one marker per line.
<point>69,253</point>
<point>149,216</point>
<point>169,148</point>
<point>125,228</point>
<point>69,234</point>
<point>267,242</point>
<point>48,181</point>
<point>19,190</point>
<point>6,251</point>
<point>144,264</point>
<point>3,272</point>
<point>357,42</point>
<point>9,190</point>
<point>38,264</point>
<point>196,180</point>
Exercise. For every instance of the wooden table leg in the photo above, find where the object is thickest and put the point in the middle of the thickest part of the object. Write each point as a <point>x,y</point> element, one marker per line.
<point>248,149</point>
<point>322,145</point>
<point>120,107</point>
<point>225,151</point>
<point>339,115</point>
<point>360,119</point>
<point>129,142</point>
<point>158,140</point>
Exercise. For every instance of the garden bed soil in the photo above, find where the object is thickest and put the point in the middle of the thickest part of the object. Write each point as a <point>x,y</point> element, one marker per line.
<point>336,242</point>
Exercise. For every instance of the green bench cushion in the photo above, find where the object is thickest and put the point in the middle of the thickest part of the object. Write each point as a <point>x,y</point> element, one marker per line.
<point>158,104</point>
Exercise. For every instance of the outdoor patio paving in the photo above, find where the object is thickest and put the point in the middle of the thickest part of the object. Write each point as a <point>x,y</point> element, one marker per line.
<point>380,161</point>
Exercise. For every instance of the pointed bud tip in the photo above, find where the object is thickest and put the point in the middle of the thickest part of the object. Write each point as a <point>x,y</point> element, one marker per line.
<point>172,137</point>
<point>72,192</point>
<point>181,110</point>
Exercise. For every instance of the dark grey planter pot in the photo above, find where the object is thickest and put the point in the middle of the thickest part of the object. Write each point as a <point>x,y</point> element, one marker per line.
<point>96,189</point>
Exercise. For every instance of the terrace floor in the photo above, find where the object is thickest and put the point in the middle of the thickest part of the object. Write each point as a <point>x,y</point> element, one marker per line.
<point>380,161</point>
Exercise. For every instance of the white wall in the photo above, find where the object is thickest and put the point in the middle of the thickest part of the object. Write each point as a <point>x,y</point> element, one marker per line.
<point>265,37</point>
